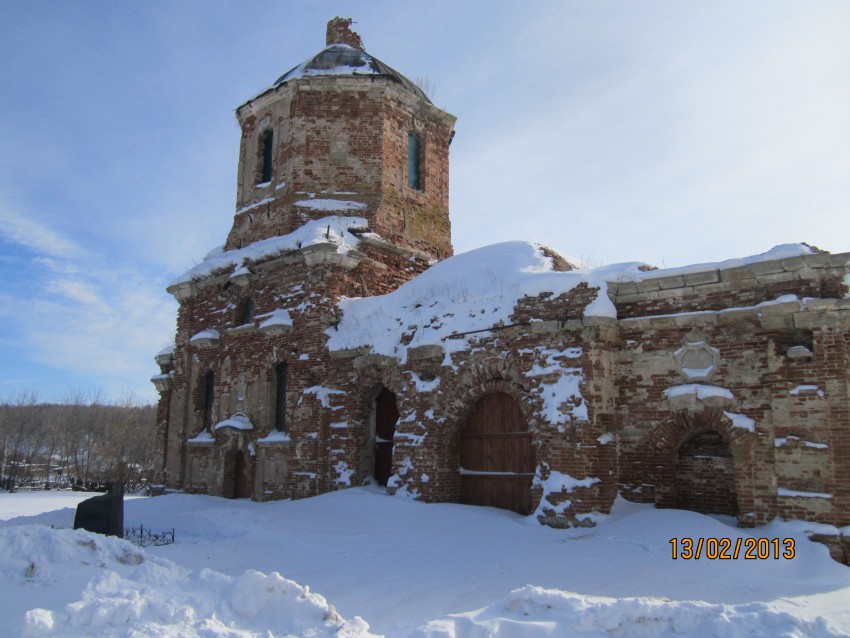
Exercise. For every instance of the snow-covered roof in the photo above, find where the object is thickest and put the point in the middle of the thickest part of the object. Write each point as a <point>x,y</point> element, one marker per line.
<point>342,59</point>
<point>328,230</point>
<point>469,292</point>
<point>474,291</point>
<point>783,251</point>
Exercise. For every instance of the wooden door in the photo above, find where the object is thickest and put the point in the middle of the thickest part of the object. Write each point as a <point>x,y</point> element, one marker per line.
<point>386,417</point>
<point>496,458</point>
<point>242,476</point>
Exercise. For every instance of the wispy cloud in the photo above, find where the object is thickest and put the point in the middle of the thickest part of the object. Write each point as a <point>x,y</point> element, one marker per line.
<point>89,317</point>
<point>99,332</point>
<point>27,231</point>
<point>77,291</point>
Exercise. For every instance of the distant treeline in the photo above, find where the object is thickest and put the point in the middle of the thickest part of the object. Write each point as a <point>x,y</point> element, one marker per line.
<point>81,443</point>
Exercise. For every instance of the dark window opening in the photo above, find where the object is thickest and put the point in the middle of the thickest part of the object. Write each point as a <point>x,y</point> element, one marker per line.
<point>267,147</point>
<point>280,372</point>
<point>785,339</point>
<point>209,395</point>
<point>247,312</point>
<point>413,155</point>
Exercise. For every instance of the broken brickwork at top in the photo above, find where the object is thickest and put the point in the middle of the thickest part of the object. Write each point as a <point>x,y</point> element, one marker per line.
<point>339,32</point>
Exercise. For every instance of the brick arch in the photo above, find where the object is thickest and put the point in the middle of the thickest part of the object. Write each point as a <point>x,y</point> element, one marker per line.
<point>440,450</point>
<point>481,382</point>
<point>492,377</point>
<point>362,423</point>
<point>667,439</point>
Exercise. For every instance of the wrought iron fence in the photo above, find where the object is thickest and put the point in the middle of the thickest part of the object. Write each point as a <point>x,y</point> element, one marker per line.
<point>146,537</point>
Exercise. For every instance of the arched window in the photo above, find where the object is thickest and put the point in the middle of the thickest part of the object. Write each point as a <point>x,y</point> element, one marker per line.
<point>413,153</point>
<point>280,372</point>
<point>209,395</point>
<point>267,150</point>
<point>246,312</point>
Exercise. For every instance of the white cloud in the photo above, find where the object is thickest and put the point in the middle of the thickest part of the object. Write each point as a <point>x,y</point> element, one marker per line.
<point>78,291</point>
<point>686,138</point>
<point>103,332</point>
<point>27,231</point>
<point>58,266</point>
<point>96,321</point>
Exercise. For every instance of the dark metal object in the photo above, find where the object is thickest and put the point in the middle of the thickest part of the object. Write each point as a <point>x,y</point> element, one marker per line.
<point>102,514</point>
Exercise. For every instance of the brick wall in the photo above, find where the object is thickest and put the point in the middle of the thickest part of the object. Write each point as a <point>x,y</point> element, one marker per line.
<point>344,138</point>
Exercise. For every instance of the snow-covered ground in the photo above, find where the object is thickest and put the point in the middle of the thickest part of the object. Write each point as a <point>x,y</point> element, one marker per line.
<point>361,563</point>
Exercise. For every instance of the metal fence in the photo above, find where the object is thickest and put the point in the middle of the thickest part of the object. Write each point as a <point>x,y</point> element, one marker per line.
<point>146,537</point>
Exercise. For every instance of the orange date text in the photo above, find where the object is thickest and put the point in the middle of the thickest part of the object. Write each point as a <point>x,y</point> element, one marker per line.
<point>732,548</point>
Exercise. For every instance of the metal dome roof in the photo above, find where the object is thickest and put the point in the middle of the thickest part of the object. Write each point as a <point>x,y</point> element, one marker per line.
<point>341,59</point>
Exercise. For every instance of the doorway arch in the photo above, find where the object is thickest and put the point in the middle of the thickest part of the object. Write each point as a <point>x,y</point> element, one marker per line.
<point>497,460</point>
<point>704,474</point>
<point>386,418</point>
<point>238,475</point>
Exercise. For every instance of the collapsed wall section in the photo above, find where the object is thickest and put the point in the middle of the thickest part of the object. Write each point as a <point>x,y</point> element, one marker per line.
<point>755,354</point>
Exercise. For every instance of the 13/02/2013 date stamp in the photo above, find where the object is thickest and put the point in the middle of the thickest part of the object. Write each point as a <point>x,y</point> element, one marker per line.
<point>733,548</point>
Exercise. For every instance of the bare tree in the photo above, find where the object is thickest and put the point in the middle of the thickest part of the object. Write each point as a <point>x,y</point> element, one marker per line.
<point>83,440</point>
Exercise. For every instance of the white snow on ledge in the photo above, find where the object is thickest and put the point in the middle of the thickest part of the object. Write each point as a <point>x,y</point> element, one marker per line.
<point>205,334</point>
<point>279,317</point>
<point>782,441</point>
<point>701,391</point>
<point>275,436</point>
<point>202,437</point>
<point>807,389</point>
<point>328,230</point>
<point>245,209</point>
<point>741,421</point>
<point>798,494</point>
<point>239,421</point>
<point>330,204</point>
<point>323,394</point>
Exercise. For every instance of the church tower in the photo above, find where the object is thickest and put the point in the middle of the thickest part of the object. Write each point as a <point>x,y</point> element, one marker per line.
<point>343,133</point>
<point>342,191</point>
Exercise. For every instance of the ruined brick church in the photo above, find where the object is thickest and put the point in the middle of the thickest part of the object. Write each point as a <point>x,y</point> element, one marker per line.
<point>334,340</point>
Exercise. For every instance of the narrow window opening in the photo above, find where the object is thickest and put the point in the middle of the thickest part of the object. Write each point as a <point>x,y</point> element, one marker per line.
<point>267,147</point>
<point>209,395</point>
<point>413,153</point>
<point>247,314</point>
<point>280,397</point>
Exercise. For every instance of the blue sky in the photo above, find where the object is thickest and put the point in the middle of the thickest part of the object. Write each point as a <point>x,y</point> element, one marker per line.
<point>668,132</point>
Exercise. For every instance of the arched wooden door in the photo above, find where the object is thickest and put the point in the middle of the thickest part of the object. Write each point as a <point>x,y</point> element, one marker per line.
<point>496,457</point>
<point>242,476</point>
<point>705,475</point>
<point>386,417</point>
